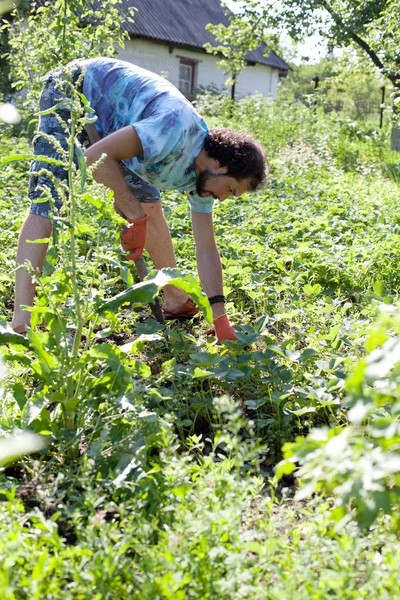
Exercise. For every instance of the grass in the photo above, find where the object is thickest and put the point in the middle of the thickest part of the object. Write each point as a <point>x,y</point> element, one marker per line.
<point>161,485</point>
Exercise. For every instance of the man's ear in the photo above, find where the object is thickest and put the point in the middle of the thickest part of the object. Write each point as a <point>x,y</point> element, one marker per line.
<point>222,169</point>
<point>216,167</point>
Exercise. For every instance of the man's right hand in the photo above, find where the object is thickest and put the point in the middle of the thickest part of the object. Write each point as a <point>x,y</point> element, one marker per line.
<point>133,237</point>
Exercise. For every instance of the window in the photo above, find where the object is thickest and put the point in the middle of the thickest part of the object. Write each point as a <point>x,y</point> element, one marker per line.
<point>187,75</point>
<point>186,78</point>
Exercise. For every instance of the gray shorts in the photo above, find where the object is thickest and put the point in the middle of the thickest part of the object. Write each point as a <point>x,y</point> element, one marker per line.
<point>42,190</point>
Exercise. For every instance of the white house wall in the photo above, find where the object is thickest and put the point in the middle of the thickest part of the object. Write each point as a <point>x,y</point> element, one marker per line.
<point>157,58</point>
<point>260,78</point>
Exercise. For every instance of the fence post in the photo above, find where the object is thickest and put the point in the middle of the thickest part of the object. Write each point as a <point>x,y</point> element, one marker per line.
<point>382,106</point>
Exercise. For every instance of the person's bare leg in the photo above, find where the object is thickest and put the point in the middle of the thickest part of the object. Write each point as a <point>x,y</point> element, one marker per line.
<point>35,227</point>
<point>159,246</point>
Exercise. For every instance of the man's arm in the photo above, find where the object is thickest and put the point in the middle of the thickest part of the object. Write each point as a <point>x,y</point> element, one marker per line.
<point>121,145</point>
<point>208,259</point>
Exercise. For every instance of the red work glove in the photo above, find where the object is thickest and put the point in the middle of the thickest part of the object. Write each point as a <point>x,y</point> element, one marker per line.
<point>223,329</point>
<point>133,238</point>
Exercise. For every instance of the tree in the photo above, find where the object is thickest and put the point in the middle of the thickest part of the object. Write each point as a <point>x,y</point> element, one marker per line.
<point>245,32</point>
<point>371,25</point>
<point>45,35</point>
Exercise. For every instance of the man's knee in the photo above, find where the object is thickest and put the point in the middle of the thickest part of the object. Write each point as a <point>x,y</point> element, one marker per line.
<point>153,209</point>
<point>37,226</point>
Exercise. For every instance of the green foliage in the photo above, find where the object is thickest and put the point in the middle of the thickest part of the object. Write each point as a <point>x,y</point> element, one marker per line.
<point>50,34</point>
<point>246,35</point>
<point>360,463</point>
<point>346,84</point>
<point>158,478</point>
<point>371,26</point>
<point>5,87</point>
<point>5,6</point>
<point>185,528</point>
<point>146,291</point>
<point>60,345</point>
<point>13,447</point>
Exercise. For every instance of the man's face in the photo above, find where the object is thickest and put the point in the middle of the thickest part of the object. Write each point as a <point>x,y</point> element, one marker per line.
<point>219,186</point>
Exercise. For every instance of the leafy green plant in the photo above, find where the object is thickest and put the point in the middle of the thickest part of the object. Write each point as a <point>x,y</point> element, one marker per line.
<point>52,34</point>
<point>15,446</point>
<point>342,24</point>
<point>359,463</point>
<point>170,492</point>
<point>63,355</point>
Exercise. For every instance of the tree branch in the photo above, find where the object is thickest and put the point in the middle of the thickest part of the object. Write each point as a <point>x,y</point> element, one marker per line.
<point>358,40</point>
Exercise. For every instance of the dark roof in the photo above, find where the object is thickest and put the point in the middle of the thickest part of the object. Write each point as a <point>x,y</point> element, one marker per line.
<point>183,22</point>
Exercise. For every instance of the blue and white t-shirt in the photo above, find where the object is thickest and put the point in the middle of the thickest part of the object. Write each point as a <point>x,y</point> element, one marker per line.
<point>171,131</point>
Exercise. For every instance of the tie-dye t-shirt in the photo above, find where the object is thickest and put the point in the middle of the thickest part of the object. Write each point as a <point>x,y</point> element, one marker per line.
<point>171,131</point>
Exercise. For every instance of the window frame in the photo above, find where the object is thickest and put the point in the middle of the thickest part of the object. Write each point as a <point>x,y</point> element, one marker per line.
<point>185,85</point>
<point>192,64</point>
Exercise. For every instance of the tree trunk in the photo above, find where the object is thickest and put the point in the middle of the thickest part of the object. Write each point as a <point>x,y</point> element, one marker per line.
<point>395,137</point>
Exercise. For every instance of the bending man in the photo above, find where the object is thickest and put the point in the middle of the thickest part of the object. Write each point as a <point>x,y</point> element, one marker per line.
<point>154,139</point>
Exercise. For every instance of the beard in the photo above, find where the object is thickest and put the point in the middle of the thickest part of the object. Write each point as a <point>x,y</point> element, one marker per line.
<point>202,180</point>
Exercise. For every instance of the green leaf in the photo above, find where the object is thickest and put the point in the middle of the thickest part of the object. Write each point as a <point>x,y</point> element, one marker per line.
<point>292,355</point>
<point>255,547</point>
<point>201,373</point>
<point>13,447</point>
<point>307,353</point>
<point>205,359</point>
<point>382,501</point>
<point>39,241</point>
<point>85,229</point>
<point>8,336</point>
<point>81,164</point>
<point>32,410</point>
<point>30,156</point>
<point>47,361</point>
<point>311,290</point>
<point>145,291</point>
<point>180,492</point>
<point>168,369</point>
<point>302,411</point>
<point>140,293</point>
<point>285,467</point>
<point>6,6</point>
<point>317,288</point>
<point>378,288</point>
<point>188,283</point>
<point>19,394</point>
<point>308,290</point>
<point>53,109</point>
<point>234,374</point>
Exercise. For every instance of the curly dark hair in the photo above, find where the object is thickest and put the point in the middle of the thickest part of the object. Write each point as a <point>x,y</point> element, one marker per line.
<point>243,155</point>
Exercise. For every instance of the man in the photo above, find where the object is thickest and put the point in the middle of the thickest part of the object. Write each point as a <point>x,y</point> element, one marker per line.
<point>153,139</point>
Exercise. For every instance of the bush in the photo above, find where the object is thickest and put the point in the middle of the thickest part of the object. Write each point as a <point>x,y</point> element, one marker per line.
<point>359,464</point>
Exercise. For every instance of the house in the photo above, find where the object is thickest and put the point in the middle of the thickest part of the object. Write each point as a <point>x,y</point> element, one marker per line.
<point>167,37</point>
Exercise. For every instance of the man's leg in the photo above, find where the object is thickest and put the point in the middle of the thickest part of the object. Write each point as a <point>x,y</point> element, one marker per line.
<point>38,225</point>
<point>159,246</point>
<point>35,227</point>
<point>158,242</point>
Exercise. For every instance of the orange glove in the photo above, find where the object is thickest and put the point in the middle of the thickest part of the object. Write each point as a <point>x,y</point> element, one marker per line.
<point>223,329</point>
<point>133,238</point>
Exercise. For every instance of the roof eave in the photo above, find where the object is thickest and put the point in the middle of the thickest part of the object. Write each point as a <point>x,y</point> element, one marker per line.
<point>193,48</point>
